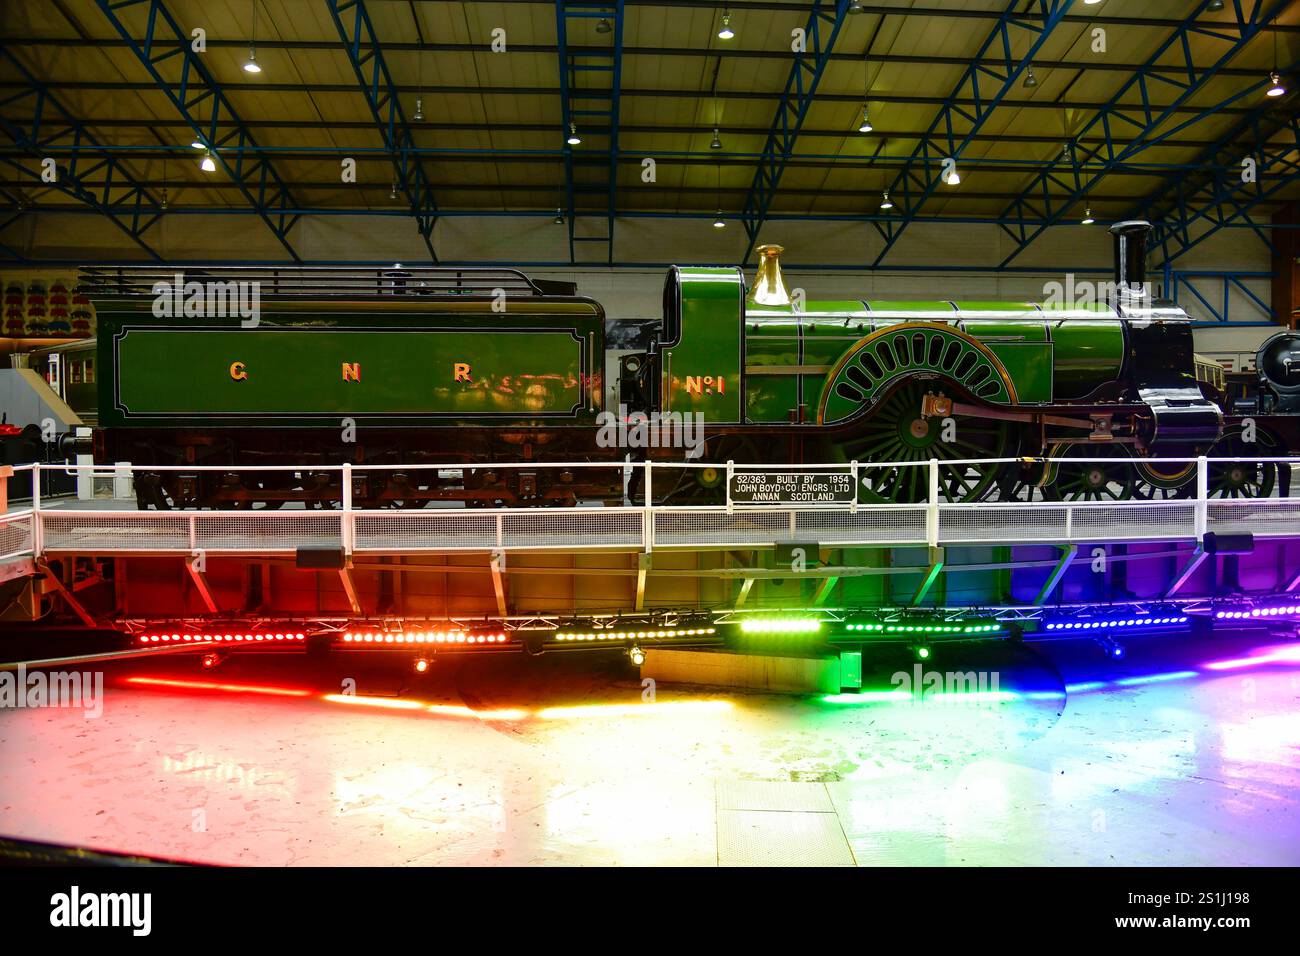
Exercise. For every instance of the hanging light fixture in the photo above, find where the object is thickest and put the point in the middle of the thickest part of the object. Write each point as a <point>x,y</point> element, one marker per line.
<point>1276,88</point>
<point>885,201</point>
<point>1030,80</point>
<point>574,139</point>
<point>163,204</point>
<point>419,110</point>
<point>1215,6</point>
<point>559,216</point>
<point>392,192</point>
<point>954,177</point>
<point>865,126</point>
<point>252,66</point>
<point>726,33</point>
<point>717,140</point>
<point>602,26</point>
<point>856,7</point>
<point>1087,219</point>
<point>198,145</point>
<point>719,222</point>
<point>207,165</point>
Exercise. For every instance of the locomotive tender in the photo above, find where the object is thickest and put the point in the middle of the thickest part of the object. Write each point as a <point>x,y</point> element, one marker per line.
<point>477,366</point>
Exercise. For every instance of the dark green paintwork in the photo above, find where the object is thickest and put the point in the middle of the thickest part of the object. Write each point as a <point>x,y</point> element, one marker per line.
<point>702,371</point>
<point>523,368</point>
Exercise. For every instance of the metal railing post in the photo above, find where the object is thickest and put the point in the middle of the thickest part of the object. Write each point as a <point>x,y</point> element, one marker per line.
<point>346,533</point>
<point>853,502</point>
<point>1202,497</point>
<point>731,466</point>
<point>648,514</point>
<point>38,518</point>
<point>932,513</point>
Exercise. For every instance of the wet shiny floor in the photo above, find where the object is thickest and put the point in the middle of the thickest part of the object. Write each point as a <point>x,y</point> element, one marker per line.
<point>1181,754</point>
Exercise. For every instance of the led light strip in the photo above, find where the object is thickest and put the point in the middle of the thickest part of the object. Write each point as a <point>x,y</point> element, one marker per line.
<point>780,625</point>
<point>1284,609</point>
<point>1116,623</point>
<point>648,635</point>
<point>426,637</point>
<point>221,638</point>
<point>955,627</point>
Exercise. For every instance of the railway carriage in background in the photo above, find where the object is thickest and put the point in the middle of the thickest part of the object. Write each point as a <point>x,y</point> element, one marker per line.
<point>478,367</point>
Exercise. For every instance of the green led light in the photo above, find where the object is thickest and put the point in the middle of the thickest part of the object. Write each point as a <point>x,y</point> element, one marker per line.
<point>780,625</point>
<point>923,653</point>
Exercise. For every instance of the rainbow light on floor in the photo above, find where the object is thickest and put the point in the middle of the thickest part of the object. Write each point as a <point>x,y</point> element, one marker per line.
<point>386,703</point>
<point>650,634</point>
<point>900,696</point>
<point>1283,655</point>
<point>209,685</point>
<point>1255,612</point>
<point>257,637</point>
<point>781,625</point>
<point>424,637</point>
<point>1116,623</point>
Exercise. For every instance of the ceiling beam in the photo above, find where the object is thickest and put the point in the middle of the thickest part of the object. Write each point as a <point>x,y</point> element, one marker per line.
<point>810,59</point>
<point>1191,209</point>
<point>1041,66</point>
<point>90,175</point>
<point>1057,189</point>
<point>365,52</point>
<point>163,49</point>
<point>349,89</point>
<point>951,129</point>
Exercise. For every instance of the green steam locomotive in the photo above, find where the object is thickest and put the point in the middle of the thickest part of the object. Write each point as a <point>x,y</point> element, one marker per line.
<point>470,368</point>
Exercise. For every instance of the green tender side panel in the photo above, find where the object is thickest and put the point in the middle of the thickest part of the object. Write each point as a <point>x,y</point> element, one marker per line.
<point>487,369</point>
<point>702,369</point>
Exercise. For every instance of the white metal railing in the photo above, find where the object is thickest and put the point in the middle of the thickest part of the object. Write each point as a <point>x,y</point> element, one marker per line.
<point>642,525</point>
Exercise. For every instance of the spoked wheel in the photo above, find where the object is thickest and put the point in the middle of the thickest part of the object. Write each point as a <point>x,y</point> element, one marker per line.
<point>704,485</point>
<point>1111,479</point>
<point>1164,481</point>
<point>1248,477</point>
<point>896,432</point>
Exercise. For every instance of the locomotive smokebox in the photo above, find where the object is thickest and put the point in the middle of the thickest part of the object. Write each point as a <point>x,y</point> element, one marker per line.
<point>1131,260</point>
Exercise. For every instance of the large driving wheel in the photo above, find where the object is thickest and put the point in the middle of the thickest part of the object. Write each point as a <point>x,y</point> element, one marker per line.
<point>895,431</point>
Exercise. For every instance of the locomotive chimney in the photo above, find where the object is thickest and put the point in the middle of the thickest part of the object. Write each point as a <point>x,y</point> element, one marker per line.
<point>769,286</point>
<point>1131,260</point>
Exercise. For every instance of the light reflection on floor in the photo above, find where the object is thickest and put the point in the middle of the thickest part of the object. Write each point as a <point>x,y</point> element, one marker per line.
<point>559,760</point>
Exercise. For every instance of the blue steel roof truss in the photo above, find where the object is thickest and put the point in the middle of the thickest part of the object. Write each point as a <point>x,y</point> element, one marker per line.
<point>366,54</point>
<point>592,63</point>
<point>1081,166</point>
<point>119,197</point>
<point>203,104</point>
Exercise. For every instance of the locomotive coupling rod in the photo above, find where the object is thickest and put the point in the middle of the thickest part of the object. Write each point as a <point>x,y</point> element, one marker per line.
<point>979,411</point>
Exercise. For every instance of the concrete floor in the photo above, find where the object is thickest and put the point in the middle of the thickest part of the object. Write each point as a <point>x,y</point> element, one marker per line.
<point>559,761</point>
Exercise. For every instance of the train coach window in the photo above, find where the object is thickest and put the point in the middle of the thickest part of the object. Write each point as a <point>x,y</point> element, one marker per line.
<point>74,372</point>
<point>90,371</point>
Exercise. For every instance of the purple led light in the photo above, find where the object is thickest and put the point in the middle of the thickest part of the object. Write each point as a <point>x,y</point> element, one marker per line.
<point>1280,610</point>
<point>1119,623</point>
